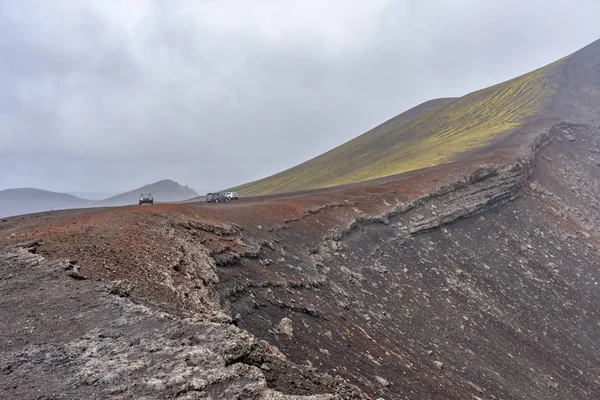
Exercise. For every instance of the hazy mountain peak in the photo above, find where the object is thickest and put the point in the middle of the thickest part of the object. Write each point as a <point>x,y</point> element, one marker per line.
<point>165,190</point>
<point>29,200</point>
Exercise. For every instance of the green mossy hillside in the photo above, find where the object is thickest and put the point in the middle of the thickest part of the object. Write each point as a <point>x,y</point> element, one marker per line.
<point>429,139</point>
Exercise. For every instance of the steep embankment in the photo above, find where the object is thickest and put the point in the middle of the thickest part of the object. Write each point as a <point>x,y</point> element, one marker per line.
<point>502,304</point>
<point>578,101</point>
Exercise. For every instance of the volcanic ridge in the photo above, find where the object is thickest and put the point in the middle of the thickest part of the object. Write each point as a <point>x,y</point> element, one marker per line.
<point>453,252</point>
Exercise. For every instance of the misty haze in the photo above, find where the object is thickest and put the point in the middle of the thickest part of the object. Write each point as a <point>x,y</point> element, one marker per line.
<point>299,200</point>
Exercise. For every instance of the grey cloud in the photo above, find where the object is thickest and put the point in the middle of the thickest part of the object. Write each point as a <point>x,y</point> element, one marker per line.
<point>106,99</point>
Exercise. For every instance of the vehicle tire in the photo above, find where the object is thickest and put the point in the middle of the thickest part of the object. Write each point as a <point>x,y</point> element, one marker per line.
<point>217,200</point>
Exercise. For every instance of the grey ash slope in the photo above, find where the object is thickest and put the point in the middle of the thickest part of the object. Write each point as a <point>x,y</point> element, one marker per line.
<point>488,288</point>
<point>579,101</point>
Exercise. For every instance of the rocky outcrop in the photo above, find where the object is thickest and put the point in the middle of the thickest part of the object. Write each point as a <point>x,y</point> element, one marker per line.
<point>475,290</point>
<point>487,187</point>
<point>88,341</point>
<point>483,286</point>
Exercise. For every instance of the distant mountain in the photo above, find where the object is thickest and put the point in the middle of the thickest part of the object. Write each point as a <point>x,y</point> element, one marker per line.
<point>163,191</point>
<point>94,195</point>
<point>29,200</point>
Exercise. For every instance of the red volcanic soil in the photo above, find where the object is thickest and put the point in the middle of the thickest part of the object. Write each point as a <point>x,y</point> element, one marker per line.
<point>474,278</point>
<point>140,243</point>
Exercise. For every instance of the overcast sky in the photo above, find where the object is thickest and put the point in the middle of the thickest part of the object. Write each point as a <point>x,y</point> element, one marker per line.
<point>110,95</point>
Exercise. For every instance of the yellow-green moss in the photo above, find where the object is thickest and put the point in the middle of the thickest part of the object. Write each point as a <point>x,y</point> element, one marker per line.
<point>431,139</point>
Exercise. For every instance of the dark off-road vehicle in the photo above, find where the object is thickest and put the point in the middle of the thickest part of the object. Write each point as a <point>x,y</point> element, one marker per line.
<point>216,198</point>
<point>146,198</point>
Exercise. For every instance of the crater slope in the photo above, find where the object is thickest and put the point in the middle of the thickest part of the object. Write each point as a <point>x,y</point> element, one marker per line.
<point>476,278</point>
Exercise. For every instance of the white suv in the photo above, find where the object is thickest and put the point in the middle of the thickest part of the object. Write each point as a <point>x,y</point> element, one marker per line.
<point>231,195</point>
